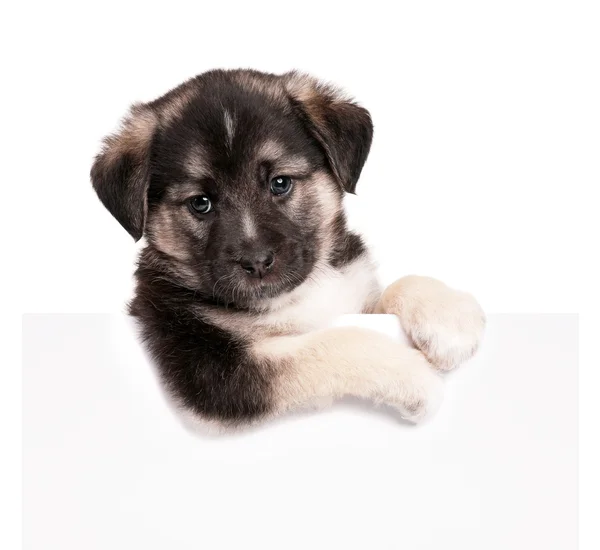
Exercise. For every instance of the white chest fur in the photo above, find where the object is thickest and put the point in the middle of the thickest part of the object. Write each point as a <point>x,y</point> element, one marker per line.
<point>324,297</point>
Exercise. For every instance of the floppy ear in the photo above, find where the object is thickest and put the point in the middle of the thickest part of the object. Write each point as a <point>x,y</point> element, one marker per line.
<point>121,172</point>
<point>343,128</point>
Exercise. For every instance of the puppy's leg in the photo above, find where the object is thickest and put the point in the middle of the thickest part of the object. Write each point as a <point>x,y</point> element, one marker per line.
<point>336,362</point>
<point>445,324</point>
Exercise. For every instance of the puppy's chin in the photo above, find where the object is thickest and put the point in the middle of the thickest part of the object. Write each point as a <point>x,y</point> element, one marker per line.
<point>249,293</point>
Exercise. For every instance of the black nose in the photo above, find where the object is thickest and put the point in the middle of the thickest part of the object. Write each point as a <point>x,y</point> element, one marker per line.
<point>258,264</point>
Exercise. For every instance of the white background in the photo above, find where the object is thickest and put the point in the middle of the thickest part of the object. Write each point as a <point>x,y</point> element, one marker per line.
<point>108,465</point>
<point>484,167</point>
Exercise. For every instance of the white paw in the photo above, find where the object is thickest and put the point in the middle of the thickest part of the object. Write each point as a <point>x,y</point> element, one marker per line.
<point>419,391</point>
<point>445,324</point>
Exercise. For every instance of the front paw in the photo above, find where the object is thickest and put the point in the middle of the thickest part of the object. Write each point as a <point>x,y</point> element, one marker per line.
<point>445,324</point>
<point>417,392</point>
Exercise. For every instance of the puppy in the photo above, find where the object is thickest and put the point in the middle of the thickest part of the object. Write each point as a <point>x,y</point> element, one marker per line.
<point>236,180</point>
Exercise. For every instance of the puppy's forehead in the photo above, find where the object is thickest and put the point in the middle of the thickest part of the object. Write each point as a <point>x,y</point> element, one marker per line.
<point>237,127</point>
<point>198,161</point>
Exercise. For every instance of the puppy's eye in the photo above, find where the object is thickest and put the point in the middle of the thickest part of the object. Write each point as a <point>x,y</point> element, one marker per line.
<point>200,204</point>
<point>281,185</point>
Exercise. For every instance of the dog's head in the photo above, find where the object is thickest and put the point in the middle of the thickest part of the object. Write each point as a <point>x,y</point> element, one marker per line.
<point>236,178</point>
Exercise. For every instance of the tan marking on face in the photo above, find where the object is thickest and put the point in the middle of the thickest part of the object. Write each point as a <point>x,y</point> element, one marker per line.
<point>186,190</point>
<point>248,225</point>
<point>327,196</point>
<point>284,164</point>
<point>271,150</point>
<point>230,123</point>
<point>321,192</point>
<point>195,163</point>
<point>164,232</point>
<point>291,166</point>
